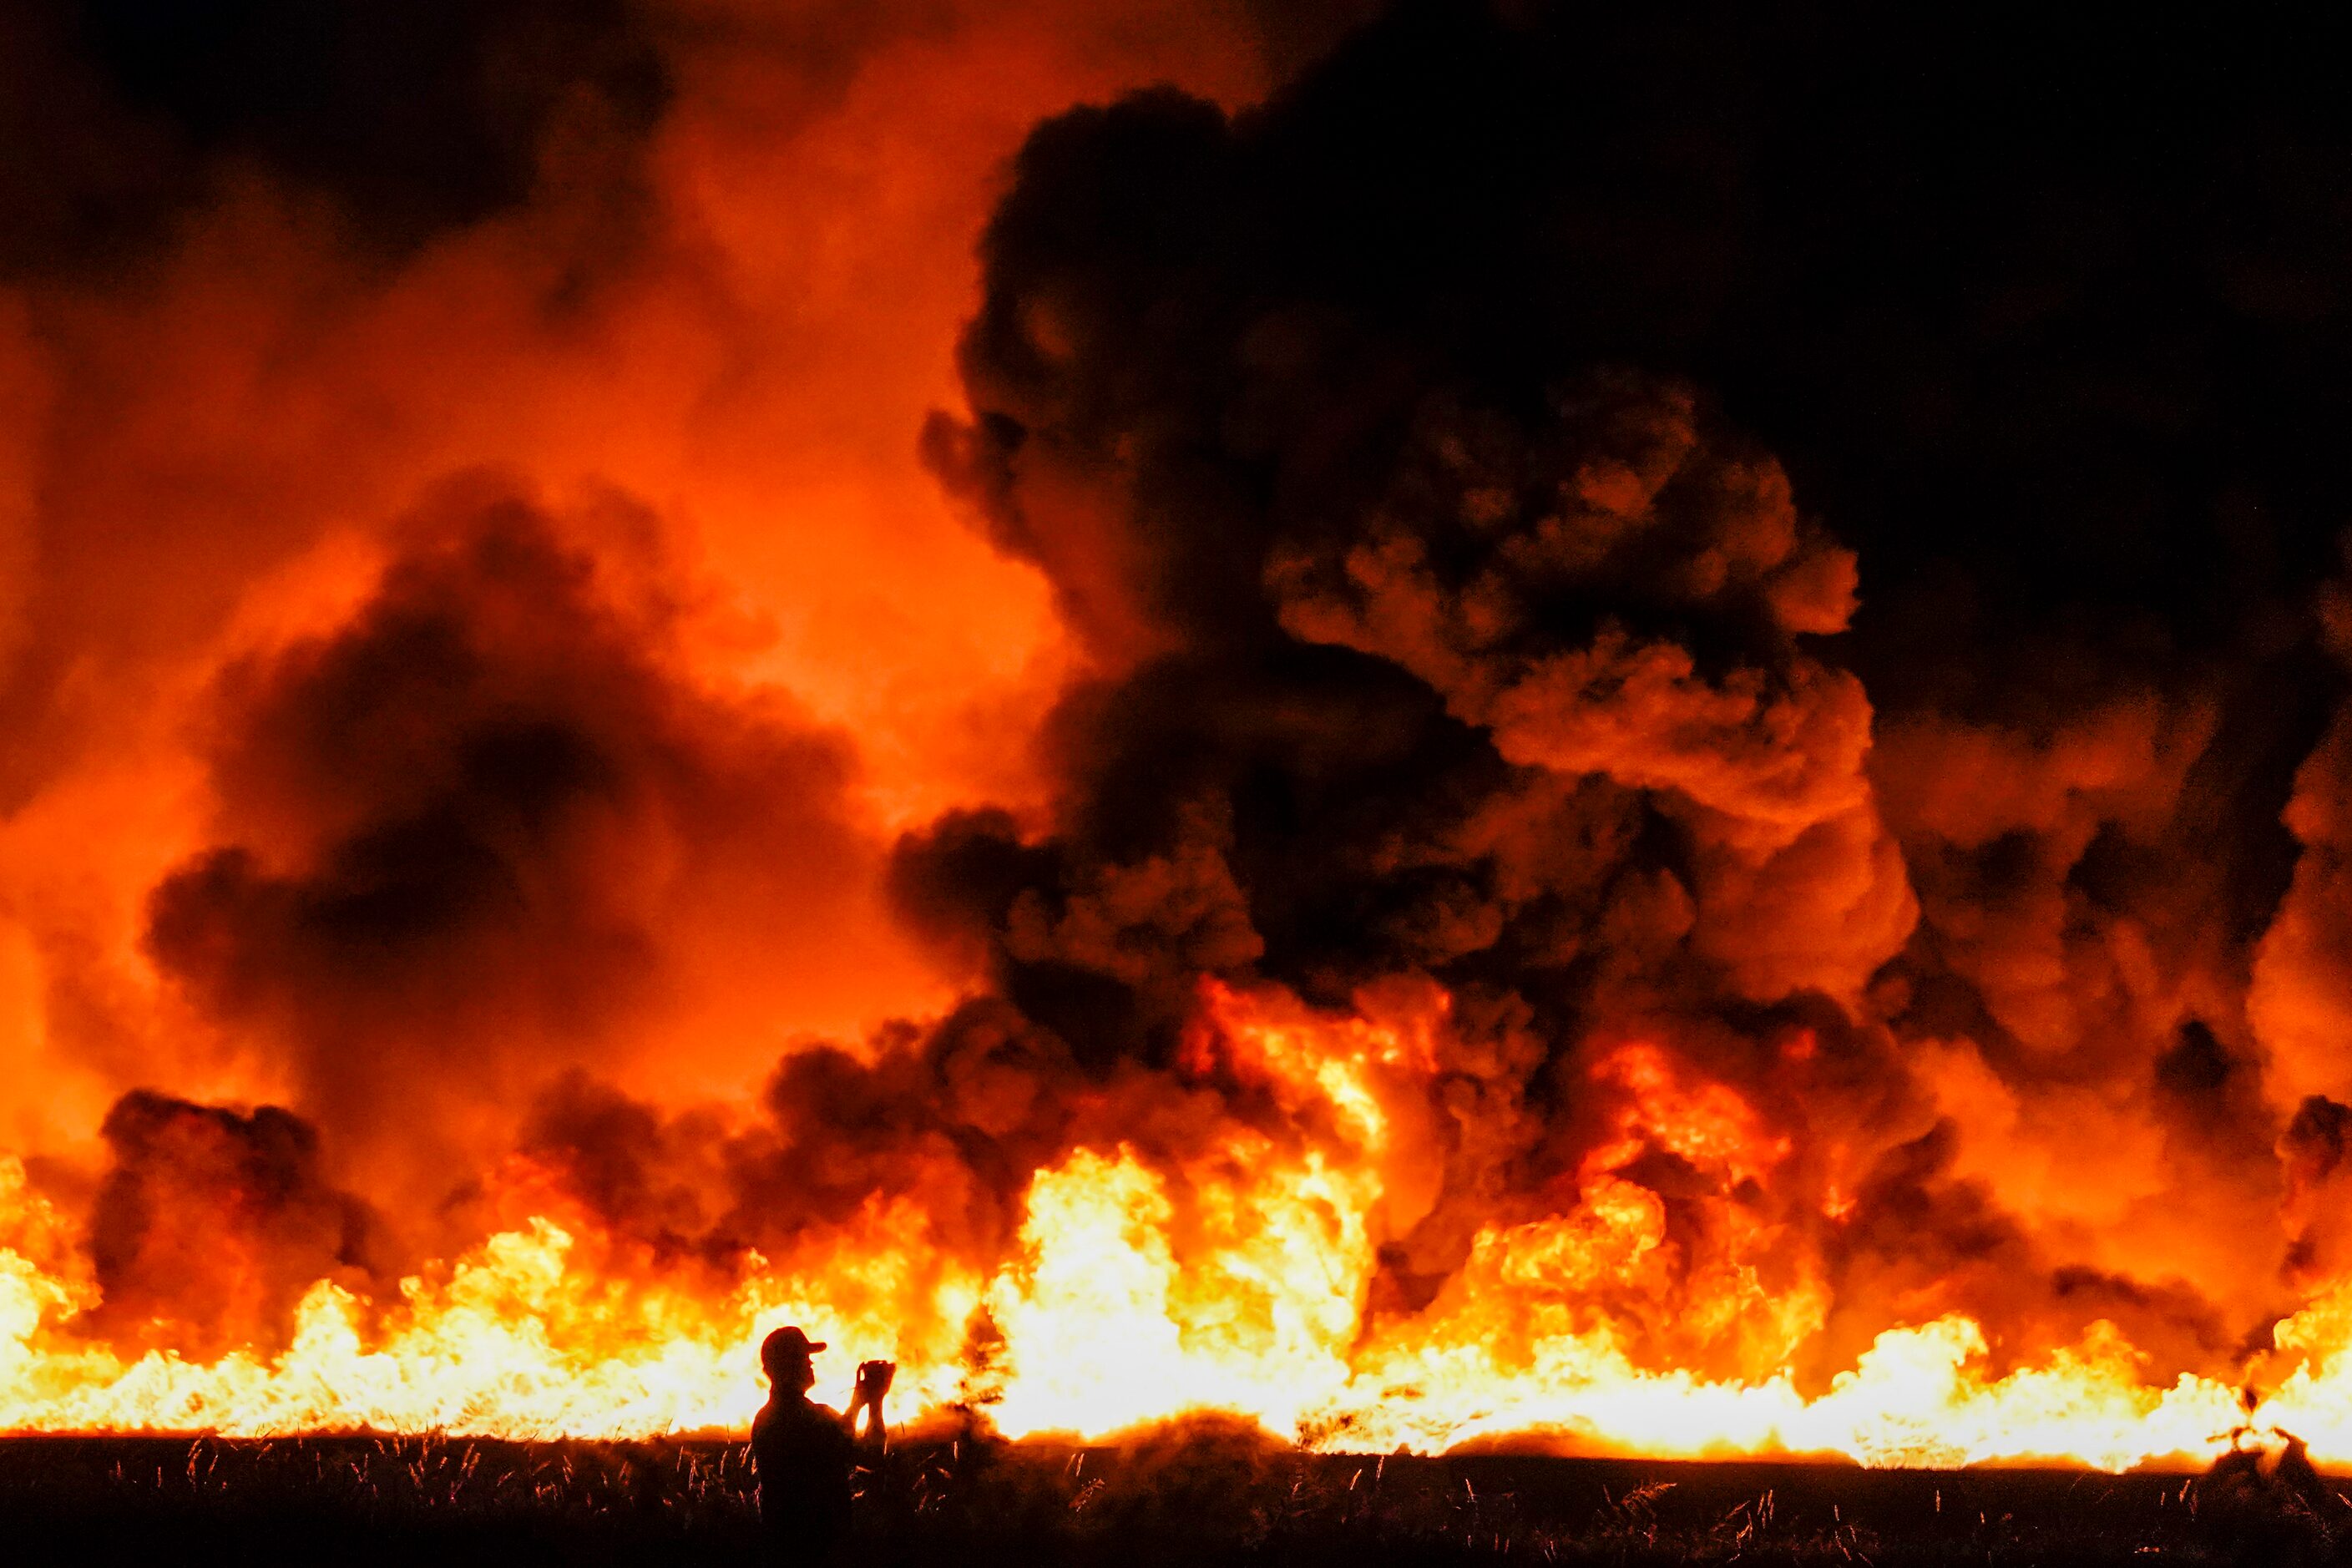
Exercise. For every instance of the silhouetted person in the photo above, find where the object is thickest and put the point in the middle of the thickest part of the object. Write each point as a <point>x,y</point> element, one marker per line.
<point>804,1452</point>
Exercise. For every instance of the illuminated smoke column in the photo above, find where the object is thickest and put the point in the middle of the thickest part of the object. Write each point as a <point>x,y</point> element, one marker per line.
<point>1551,729</point>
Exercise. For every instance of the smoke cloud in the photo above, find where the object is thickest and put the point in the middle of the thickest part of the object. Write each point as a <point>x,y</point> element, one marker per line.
<point>487,823</point>
<point>1760,661</point>
<point>211,1224</point>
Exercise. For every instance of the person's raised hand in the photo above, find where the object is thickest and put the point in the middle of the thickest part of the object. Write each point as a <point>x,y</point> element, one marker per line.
<point>874,1378</point>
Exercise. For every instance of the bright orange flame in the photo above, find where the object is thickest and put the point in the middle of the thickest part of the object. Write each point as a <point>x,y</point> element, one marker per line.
<point>1239,1281</point>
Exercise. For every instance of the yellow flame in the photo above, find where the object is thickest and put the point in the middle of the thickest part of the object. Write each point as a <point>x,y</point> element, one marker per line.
<point>1238,1280</point>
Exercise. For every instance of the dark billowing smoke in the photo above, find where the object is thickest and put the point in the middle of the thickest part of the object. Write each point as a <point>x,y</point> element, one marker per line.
<point>1792,538</point>
<point>410,118</point>
<point>487,825</point>
<point>1432,461</point>
<point>1642,520</point>
<point>960,1117</point>
<point>211,1224</point>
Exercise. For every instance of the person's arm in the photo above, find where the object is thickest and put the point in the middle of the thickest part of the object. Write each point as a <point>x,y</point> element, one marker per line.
<point>873,1382</point>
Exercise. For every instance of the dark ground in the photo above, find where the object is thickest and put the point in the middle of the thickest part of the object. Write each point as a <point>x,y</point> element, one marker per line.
<point>1207,1496</point>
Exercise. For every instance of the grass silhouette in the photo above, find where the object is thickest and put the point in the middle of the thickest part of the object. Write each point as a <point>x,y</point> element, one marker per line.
<point>1197,1492</point>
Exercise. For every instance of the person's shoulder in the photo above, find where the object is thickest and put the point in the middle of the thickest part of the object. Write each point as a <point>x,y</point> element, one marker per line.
<point>808,1413</point>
